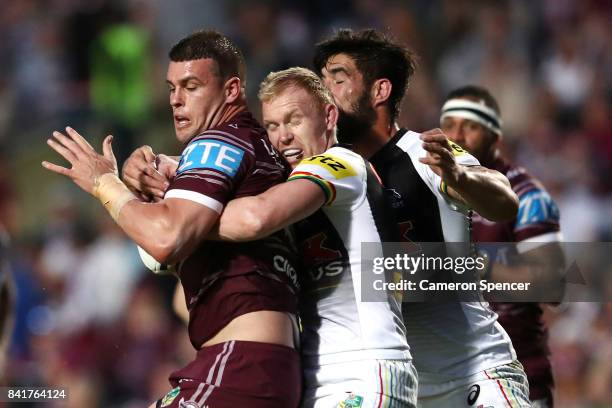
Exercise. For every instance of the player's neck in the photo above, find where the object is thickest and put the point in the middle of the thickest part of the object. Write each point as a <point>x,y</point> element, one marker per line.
<point>376,137</point>
<point>229,111</point>
<point>489,158</point>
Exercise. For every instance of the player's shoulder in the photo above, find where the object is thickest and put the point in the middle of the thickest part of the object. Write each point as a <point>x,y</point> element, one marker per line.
<point>241,130</point>
<point>337,162</point>
<point>410,142</point>
<point>521,180</point>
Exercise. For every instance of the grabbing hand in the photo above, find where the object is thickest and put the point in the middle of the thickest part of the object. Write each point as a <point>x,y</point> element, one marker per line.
<point>440,157</point>
<point>141,175</point>
<point>87,165</point>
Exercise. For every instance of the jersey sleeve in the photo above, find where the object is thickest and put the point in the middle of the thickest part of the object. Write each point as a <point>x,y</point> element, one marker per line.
<point>211,167</point>
<point>340,175</point>
<point>537,221</point>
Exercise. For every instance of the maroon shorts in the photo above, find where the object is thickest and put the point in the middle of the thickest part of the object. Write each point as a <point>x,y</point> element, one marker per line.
<point>238,374</point>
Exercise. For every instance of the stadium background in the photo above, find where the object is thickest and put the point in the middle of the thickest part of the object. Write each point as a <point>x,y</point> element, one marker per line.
<point>91,319</point>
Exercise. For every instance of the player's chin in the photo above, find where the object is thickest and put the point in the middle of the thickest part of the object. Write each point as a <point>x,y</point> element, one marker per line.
<point>294,160</point>
<point>182,134</point>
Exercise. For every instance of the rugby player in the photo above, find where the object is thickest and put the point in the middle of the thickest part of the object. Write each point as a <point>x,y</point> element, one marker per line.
<point>353,353</point>
<point>463,356</point>
<point>242,304</point>
<point>471,118</point>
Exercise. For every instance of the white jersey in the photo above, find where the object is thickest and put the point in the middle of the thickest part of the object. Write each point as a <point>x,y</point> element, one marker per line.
<point>448,340</point>
<point>337,325</point>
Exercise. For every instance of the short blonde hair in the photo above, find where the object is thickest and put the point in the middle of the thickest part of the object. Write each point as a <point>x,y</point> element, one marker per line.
<point>277,82</point>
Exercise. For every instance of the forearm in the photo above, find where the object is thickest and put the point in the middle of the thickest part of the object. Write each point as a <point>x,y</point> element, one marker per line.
<point>149,226</point>
<point>168,230</point>
<point>487,192</point>
<point>542,267</point>
<point>240,221</point>
<point>250,218</point>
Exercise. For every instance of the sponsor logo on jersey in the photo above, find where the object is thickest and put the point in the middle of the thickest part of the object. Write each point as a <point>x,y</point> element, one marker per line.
<point>211,154</point>
<point>536,206</point>
<point>457,150</point>
<point>169,397</point>
<point>338,167</point>
<point>352,401</point>
<point>282,265</point>
<point>394,197</point>
<point>473,394</point>
<point>328,270</point>
<point>313,248</point>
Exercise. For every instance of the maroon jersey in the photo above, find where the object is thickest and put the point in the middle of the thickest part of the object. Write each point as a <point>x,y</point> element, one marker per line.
<point>224,280</point>
<point>538,221</point>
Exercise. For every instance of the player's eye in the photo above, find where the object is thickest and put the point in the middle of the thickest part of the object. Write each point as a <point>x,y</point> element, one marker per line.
<point>473,126</point>
<point>271,126</point>
<point>339,81</point>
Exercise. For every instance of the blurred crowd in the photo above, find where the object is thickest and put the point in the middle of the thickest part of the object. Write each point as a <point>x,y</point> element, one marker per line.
<point>89,316</point>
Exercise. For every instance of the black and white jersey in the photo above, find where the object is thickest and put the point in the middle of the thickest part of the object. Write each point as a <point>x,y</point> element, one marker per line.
<point>447,340</point>
<point>338,326</point>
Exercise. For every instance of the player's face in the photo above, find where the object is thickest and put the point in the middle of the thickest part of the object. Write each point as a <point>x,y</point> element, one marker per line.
<point>347,85</point>
<point>468,134</point>
<point>296,125</point>
<point>344,80</point>
<point>196,95</point>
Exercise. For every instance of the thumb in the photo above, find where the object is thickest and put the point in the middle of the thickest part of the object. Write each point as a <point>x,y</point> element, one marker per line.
<point>107,148</point>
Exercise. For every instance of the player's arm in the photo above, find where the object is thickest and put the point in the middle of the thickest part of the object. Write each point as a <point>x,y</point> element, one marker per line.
<point>486,191</point>
<point>168,230</point>
<point>249,218</point>
<point>542,266</point>
<point>541,259</point>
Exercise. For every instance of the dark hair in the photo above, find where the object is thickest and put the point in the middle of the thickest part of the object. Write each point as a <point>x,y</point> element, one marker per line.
<point>375,56</point>
<point>475,92</point>
<point>214,45</point>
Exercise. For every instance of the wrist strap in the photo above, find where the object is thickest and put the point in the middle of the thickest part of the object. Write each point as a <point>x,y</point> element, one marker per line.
<point>112,193</point>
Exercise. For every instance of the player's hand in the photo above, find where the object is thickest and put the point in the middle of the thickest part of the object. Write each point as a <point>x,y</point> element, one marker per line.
<point>166,165</point>
<point>87,164</point>
<point>440,157</point>
<point>141,176</point>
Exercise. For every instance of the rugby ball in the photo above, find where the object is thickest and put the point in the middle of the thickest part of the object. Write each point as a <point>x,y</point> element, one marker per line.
<point>152,264</point>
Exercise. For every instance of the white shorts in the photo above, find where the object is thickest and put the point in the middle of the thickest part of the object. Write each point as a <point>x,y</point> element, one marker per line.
<point>361,384</point>
<point>505,386</point>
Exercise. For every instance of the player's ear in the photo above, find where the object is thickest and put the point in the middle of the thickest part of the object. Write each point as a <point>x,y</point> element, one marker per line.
<point>233,89</point>
<point>381,91</point>
<point>331,116</point>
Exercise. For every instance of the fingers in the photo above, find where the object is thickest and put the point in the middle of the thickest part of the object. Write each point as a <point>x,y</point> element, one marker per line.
<point>107,148</point>
<point>436,136</point>
<point>166,166</point>
<point>147,152</point>
<point>153,186</point>
<point>56,169</point>
<point>147,182</point>
<point>62,150</point>
<point>436,149</point>
<point>78,139</point>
